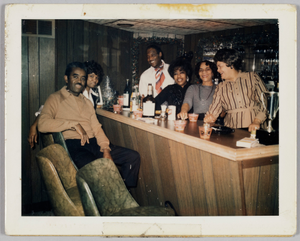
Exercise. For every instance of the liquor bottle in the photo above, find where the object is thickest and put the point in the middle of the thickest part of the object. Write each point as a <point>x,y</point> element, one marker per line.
<point>149,103</point>
<point>126,95</point>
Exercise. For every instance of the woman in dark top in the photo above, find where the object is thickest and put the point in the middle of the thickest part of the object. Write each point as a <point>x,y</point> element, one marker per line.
<point>181,71</point>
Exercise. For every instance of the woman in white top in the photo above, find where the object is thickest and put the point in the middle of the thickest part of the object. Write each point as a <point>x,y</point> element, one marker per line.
<point>92,90</point>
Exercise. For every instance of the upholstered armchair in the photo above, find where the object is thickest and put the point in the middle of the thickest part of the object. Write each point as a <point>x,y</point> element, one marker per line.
<point>104,193</point>
<point>55,137</point>
<point>59,175</point>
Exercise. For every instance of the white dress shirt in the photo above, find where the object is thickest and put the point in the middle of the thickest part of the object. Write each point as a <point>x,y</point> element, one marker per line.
<point>148,77</point>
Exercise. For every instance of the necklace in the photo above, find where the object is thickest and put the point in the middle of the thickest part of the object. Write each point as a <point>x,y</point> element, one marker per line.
<point>202,100</point>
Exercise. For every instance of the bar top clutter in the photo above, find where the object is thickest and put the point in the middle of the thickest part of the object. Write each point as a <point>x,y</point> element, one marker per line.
<point>219,144</point>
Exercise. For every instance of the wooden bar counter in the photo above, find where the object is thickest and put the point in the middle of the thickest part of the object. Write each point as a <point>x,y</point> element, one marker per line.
<point>199,177</point>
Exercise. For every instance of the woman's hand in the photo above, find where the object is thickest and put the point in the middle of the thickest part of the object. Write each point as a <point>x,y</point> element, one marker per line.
<point>182,115</point>
<point>255,125</point>
<point>209,118</point>
<point>184,111</point>
<point>82,133</point>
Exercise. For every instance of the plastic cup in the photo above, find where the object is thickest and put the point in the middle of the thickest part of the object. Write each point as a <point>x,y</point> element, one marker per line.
<point>121,100</point>
<point>117,108</point>
<point>180,125</point>
<point>205,132</point>
<point>193,117</point>
<point>137,114</point>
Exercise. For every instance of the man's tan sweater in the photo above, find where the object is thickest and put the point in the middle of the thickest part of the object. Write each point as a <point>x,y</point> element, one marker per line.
<point>63,111</point>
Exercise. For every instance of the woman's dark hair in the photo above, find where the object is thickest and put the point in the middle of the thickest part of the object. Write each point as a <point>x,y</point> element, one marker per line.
<point>157,48</point>
<point>212,66</point>
<point>74,65</point>
<point>231,57</point>
<point>181,64</point>
<point>94,67</point>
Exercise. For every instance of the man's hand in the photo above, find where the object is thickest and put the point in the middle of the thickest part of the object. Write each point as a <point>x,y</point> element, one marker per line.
<point>106,154</point>
<point>32,137</point>
<point>83,135</point>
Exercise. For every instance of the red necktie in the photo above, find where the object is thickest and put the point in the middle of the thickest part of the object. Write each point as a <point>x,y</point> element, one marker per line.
<point>160,77</point>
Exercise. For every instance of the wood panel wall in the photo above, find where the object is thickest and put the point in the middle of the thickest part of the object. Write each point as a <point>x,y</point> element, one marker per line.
<point>196,182</point>
<point>43,65</point>
<point>38,74</point>
<point>78,40</point>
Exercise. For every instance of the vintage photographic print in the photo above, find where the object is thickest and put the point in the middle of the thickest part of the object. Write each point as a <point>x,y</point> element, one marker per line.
<point>152,119</point>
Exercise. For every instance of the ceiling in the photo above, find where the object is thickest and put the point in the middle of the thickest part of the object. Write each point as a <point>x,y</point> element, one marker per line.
<point>181,26</point>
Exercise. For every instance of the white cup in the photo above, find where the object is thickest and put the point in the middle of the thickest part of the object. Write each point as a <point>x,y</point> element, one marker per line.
<point>172,112</point>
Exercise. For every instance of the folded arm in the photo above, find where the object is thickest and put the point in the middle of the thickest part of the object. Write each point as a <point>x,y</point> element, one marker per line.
<point>47,121</point>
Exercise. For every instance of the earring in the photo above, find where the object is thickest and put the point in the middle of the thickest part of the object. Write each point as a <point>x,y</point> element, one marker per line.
<point>231,67</point>
<point>187,79</point>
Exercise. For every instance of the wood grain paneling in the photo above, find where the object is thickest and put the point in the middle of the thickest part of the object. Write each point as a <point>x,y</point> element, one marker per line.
<point>266,190</point>
<point>197,182</point>
<point>34,102</point>
<point>155,159</point>
<point>163,153</point>
<point>144,152</point>
<point>223,187</point>
<point>181,178</point>
<point>26,162</point>
<point>237,186</point>
<point>60,53</point>
<point>78,35</point>
<point>209,183</point>
<point>251,180</point>
<point>93,40</point>
<point>47,68</point>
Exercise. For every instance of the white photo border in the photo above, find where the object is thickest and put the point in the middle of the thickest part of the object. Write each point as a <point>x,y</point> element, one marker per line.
<point>282,225</point>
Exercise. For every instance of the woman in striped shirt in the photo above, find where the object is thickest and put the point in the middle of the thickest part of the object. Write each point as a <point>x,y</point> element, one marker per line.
<point>239,95</point>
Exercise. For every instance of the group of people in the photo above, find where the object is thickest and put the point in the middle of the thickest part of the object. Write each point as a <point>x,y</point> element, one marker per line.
<point>237,98</point>
<point>71,110</point>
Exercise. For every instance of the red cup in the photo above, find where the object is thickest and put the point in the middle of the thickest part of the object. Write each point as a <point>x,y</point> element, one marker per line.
<point>193,117</point>
<point>205,132</point>
<point>180,125</point>
<point>117,108</point>
<point>121,100</point>
<point>137,114</point>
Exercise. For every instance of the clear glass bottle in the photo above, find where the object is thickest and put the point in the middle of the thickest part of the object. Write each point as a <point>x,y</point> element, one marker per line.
<point>126,95</point>
<point>149,103</point>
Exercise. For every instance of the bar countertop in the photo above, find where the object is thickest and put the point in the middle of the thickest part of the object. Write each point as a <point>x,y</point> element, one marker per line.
<point>223,145</point>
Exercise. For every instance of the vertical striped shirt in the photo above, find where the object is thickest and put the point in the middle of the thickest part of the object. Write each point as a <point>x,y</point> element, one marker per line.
<point>241,99</point>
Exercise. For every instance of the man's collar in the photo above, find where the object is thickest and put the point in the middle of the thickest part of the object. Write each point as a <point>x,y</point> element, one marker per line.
<point>65,93</point>
<point>162,63</point>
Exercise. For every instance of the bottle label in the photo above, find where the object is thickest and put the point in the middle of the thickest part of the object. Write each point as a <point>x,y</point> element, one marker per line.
<point>148,108</point>
<point>126,100</point>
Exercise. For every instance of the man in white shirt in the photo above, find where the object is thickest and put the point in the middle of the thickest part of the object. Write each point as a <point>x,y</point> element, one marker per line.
<point>157,74</point>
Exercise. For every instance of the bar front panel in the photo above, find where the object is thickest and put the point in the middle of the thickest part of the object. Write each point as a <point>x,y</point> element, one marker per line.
<point>196,182</point>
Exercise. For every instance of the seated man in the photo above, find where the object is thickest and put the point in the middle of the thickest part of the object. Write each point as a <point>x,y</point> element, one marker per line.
<point>69,112</point>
